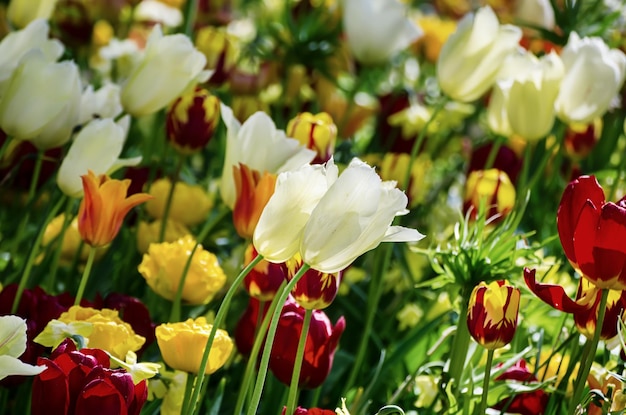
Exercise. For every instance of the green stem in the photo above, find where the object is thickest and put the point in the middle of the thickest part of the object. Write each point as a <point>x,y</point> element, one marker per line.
<point>191,378</point>
<point>30,262</point>
<point>85,277</point>
<point>190,17</point>
<point>585,367</point>
<point>297,364</point>
<point>460,344</point>
<point>373,296</point>
<point>256,347</point>
<point>495,148</point>
<point>483,401</point>
<point>29,200</point>
<point>269,341</point>
<point>176,304</point>
<point>54,267</point>
<point>221,313</point>
<point>542,165</point>
<point>420,140</point>
<point>170,197</point>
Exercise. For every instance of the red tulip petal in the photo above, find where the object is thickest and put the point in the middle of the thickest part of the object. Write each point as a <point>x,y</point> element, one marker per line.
<point>574,198</point>
<point>584,240</point>
<point>551,294</point>
<point>100,397</point>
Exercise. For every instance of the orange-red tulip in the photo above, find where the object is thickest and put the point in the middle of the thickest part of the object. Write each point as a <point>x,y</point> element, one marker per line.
<point>104,207</point>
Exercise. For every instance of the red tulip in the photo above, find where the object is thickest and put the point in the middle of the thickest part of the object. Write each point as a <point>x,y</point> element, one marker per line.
<point>492,314</point>
<point>585,307</point>
<point>320,347</point>
<point>592,233</point>
<point>315,290</point>
<point>319,351</point>
<point>81,383</point>
<point>526,403</point>
<point>312,411</point>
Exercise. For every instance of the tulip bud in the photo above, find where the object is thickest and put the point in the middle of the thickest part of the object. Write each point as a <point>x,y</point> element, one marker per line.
<point>253,193</point>
<point>580,139</point>
<point>317,132</point>
<point>220,50</point>
<point>316,290</point>
<point>192,119</point>
<point>492,313</point>
<point>264,280</point>
<point>492,187</point>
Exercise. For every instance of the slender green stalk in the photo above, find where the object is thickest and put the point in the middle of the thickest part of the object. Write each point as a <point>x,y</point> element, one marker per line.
<point>30,262</point>
<point>460,343</point>
<point>585,367</point>
<point>495,148</point>
<point>269,341</point>
<point>176,304</point>
<point>221,313</point>
<point>29,201</point>
<point>85,277</point>
<point>191,10</point>
<point>170,197</point>
<point>420,140</point>
<point>191,378</point>
<point>373,298</point>
<point>483,401</point>
<point>54,267</point>
<point>256,347</point>
<point>297,364</point>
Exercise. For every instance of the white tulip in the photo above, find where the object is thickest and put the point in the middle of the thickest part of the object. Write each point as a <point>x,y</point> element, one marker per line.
<point>536,12</point>
<point>259,145</point>
<point>103,103</point>
<point>17,44</point>
<point>12,346</point>
<point>169,65</point>
<point>522,101</point>
<point>593,76</point>
<point>279,230</point>
<point>376,30</point>
<point>353,217</point>
<point>41,101</point>
<point>471,57</point>
<point>97,147</point>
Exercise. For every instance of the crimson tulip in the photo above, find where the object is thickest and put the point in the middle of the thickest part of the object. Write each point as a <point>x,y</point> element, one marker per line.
<point>311,411</point>
<point>319,351</point>
<point>80,382</point>
<point>492,314</point>
<point>584,307</point>
<point>592,233</point>
<point>525,403</point>
<point>264,280</point>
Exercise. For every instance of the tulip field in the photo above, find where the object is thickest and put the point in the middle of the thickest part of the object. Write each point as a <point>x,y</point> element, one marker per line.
<point>312,207</point>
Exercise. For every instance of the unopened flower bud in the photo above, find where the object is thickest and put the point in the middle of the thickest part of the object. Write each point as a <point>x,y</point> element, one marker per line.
<point>318,132</point>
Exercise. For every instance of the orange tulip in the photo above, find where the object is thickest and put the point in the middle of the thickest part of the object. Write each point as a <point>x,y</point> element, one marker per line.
<point>104,207</point>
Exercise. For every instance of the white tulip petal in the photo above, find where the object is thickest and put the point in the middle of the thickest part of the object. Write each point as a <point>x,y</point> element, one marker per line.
<point>10,366</point>
<point>12,335</point>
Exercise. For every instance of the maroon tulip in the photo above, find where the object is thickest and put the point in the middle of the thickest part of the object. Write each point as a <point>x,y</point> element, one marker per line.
<point>526,403</point>
<point>246,327</point>
<point>505,160</point>
<point>38,308</point>
<point>592,233</point>
<point>320,347</point>
<point>321,343</point>
<point>81,383</point>
<point>584,310</point>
